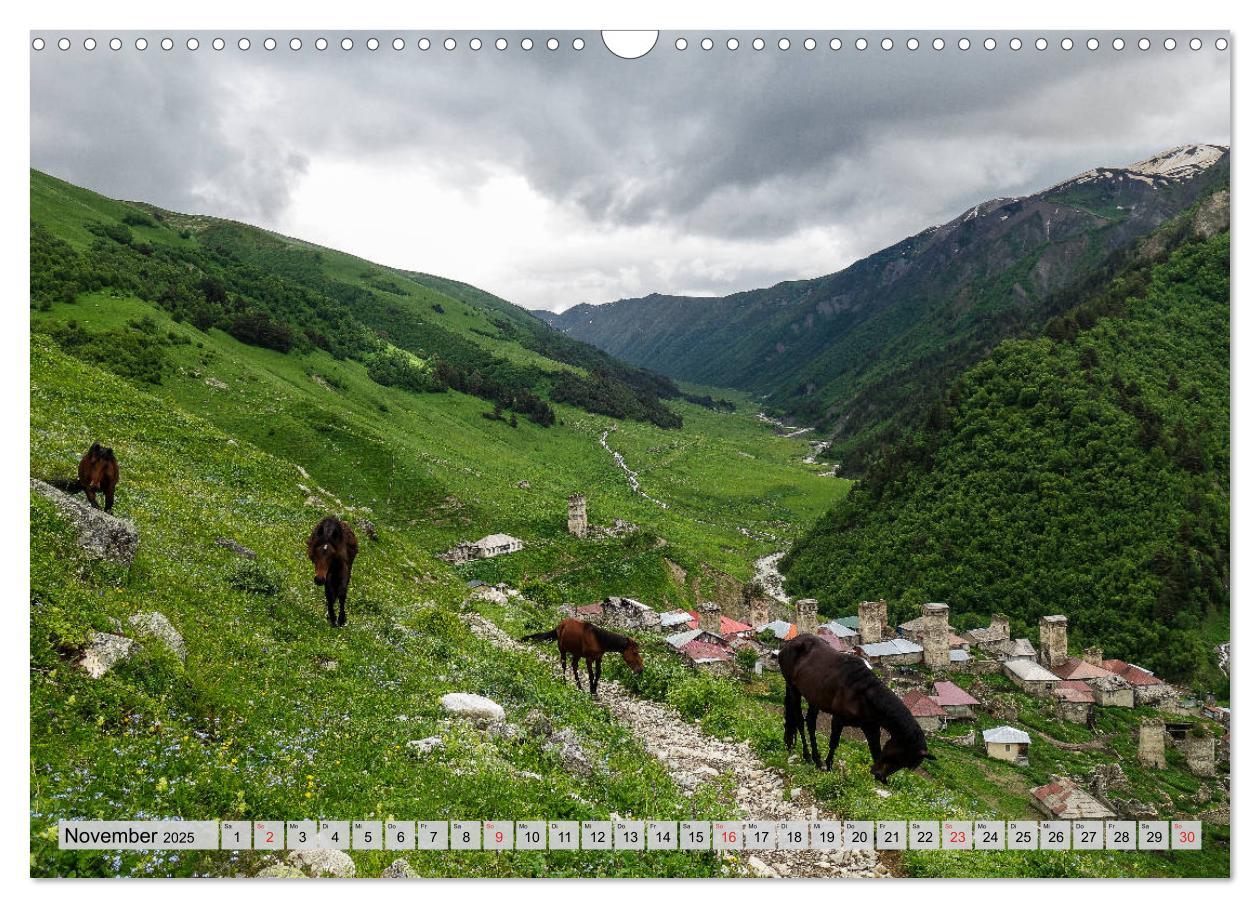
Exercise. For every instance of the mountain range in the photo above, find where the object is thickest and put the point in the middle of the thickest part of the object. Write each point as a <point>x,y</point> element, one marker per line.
<point>864,351</point>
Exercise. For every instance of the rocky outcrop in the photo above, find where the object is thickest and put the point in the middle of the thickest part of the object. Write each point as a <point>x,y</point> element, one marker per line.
<point>104,652</point>
<point>423,746</point>
<point>234,546</point>
<point>473,706</point>
<point>100,535</point>
<point>564,745</point>
<point>156,626</point>
<point>317,862</point>
<point>399,870</point>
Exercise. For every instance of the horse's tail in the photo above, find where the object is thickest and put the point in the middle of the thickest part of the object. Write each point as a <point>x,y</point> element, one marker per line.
<point>545,635</point>
<point>791,713</point>
<point>69,486</point>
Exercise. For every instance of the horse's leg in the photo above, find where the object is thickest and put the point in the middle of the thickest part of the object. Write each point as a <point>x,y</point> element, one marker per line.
<point>836,727</point>
<point>576,678</point>
<point>599,670</point>
<point>330,597</point>
<point>109,500</point>
<point>791,714</point>
<point>590,675</point>
<point>91,495</point>
<point>812,719</point>
<point>342,589</point>
<point>872,740</point>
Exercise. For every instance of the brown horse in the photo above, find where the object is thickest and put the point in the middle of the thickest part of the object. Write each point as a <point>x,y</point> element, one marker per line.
<point>844,686</point>
<point>581,640</point>
<point>332,547</point>
<point>98,472</point>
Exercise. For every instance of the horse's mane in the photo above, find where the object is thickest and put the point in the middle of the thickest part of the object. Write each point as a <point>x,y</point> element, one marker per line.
<point>611,641</point>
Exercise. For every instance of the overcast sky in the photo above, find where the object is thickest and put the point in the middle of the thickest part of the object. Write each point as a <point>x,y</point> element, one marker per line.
<point>553,178</point>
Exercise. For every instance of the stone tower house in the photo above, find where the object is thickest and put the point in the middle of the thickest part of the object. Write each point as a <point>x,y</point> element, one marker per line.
<point>807,616</point>
<point>1150,752</point>
<point>1093,655</point>
<point>756,605</point>
<point>936,635</point>
<point>1001,623</point>
<point>710,617</point>
<point>872,619</point>
<point>1200,754</point>
<point>577,516</point>
<point>1053,640</point>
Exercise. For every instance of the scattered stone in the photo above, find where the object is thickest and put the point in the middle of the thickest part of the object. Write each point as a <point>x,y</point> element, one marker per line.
<point>366,527</point>
<point>157,626</point>
<point>236,547</point>
<point>104,652</point>
<point>424,746</point>
<point>759,867</point>
<point>564,744</point>
<point>217,384</point>
<point>523,484</point>
<point>537,723</point>
<point>314,501</point>
<point>281,872</point>
<point>101,535</point>
<point>472,706</point>
<point>506,730</point>
<point>322,862</point>
<point>328,665</point>
<point>399,870</point>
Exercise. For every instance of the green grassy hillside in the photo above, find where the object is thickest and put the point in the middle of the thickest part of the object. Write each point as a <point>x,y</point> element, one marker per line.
<point>278,293</point>
<point>1084,472</point>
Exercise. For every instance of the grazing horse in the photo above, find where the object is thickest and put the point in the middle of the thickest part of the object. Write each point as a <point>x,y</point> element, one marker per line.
<point>578,639</point>
<point>844,686</point>
<point>331,547</point>
<point>98,472</point>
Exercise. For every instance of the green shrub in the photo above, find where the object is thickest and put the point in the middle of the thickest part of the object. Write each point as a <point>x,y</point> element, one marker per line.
<point>253,577</point>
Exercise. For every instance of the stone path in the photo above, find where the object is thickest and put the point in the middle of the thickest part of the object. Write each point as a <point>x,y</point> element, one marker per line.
<point>691,757</point>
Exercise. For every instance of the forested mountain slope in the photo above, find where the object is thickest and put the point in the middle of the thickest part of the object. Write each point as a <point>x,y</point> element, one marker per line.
<point>861,352</point>
<point>1084,472</point>
<point>270,291</point>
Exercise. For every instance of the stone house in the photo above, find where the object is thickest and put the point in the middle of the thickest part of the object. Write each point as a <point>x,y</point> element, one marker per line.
<point>926,711</point>
<point>1074,702</point>
<point>1063,799</point>
<point>622,611</point>
<point>960,660</point>
<point>1031,677</point>
<point>703,653</point>
<point>896,651</point>
<point>491,546</point>
<point>1147,689</point>
<point>986,638</point>
<point>1007,743</point>
<point>1109,688</point>
<point>676,621</point>
<point>957,703</point>
<point>839,628</point>
<point>1021,648</point>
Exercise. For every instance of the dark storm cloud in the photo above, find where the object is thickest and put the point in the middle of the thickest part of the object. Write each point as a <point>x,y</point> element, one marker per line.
<point>729,145</point>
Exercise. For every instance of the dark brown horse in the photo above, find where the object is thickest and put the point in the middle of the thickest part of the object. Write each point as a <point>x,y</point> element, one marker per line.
<point>844,686</point>
<point>332,547</point>
<point>98,472</point>
<point>581,640</point>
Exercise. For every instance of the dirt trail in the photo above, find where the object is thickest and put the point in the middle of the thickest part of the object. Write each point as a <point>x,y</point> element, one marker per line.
<point>691,757</point>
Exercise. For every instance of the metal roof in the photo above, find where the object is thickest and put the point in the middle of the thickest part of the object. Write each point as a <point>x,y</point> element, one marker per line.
<point>781,629</point>
<point>669,619</point>
<point>947,693</point>
<point>1028,670</point>
<point>840,629</point>
<point>895,647</point>
<point>1004,734</point>
<point>959,655</point>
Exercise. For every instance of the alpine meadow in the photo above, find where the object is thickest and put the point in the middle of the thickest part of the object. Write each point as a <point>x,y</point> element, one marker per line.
<point>991,460</point>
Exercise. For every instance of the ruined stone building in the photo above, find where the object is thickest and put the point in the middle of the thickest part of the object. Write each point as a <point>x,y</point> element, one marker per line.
<point>577,516</point>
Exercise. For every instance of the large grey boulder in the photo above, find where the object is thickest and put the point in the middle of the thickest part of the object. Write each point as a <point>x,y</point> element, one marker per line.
<point>280,872</point>
<point>157,626</point>
<point>473,706</point>
<point>104,652</point>
<point>101,535</point>
<point>322,862</point>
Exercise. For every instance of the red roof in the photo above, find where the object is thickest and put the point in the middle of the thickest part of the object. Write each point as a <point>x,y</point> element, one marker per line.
<point>833,641</point>
<point>920,704</point>
<point>947,693</point>
<point>726,626</point>
<point>1138,677</point>
<point>1077,669</point>
<point>956,642</point>
<point>699,649</point>
<point>1075,692</point>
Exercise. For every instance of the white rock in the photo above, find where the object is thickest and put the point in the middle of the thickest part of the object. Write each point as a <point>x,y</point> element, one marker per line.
<point>322,862</point>
<point>424,746</point>
<point>759,867</point>
<point>156,625</point>
<point>104,652</point>
<point>472,706</point>
<point>101,535</point>
<point>399,870</point>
